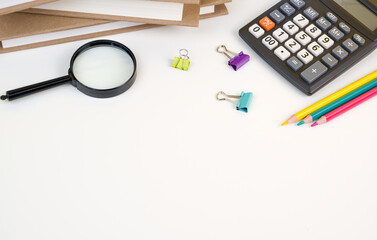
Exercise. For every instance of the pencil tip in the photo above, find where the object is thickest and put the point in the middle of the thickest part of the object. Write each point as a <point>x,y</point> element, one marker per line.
<point>314,124</point>
<point>4,97</point>
<point>285,123</point>
<point>300,123</point>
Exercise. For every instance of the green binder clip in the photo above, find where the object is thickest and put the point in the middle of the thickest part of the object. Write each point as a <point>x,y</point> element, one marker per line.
<point>243,103</point>
<point>183,61</point>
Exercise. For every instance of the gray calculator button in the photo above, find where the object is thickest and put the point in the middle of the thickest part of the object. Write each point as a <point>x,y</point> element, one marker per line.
<point>277,16</point>
<point>336,34</point>
<point>350,45</point>
<point>295,64</point>
<point>344,27</point>
<point>331,17</point>
<point>323,24</point>
<point>311,13</point>
<point>359,39</point>
<point>339,53</point>
<point>329,60</point>
<point>298,4</point>
<point>287,9</point>
<point>314,72</point>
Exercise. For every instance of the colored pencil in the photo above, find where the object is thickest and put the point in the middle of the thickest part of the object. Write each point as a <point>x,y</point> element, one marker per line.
<point>337,103</point>
<point>346,107</point>
<point>303,113</point>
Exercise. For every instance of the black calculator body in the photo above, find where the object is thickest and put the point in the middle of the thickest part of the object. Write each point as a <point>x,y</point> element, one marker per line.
<point>311,42</point>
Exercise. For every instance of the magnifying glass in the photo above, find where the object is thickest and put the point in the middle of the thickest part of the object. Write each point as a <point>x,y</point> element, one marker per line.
<point>101,69</point>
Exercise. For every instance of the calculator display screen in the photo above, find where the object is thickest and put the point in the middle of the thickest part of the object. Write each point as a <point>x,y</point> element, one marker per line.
<point>360,12</point>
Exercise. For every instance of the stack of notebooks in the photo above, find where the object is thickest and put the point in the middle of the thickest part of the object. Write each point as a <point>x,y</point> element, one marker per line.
<point>26,24</point>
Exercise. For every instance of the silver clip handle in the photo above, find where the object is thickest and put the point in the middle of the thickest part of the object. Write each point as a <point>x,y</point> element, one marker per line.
<point>226,98</point>
<point>222,49</point>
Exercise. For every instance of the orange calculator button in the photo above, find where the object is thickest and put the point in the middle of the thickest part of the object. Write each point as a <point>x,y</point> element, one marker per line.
<point>267,23</point>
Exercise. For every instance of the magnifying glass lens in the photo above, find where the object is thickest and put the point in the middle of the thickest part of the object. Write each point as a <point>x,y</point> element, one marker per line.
<point>103,67</point>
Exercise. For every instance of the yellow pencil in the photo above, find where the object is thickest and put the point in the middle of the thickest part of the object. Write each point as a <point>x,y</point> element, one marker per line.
<point>302,114</point>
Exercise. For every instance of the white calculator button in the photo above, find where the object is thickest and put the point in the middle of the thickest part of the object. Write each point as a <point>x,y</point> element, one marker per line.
<point>282,53</point>
<point>303,38</point>
<point>315,49</point>
<point>325,41</point>
<point>301,21</point>
<point>270,42</point>
<point>292,45</point>
<point>313,31</point>
<point>290,27</point>
<point>305,56</point>
<point>256,30</point>
<point>280,35</point>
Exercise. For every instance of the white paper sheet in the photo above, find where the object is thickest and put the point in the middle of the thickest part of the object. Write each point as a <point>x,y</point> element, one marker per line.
<point>207,10</point>
<point>11,3</point>
<point>79,31</point>
<point>65,34</point>
<point>129,8</point>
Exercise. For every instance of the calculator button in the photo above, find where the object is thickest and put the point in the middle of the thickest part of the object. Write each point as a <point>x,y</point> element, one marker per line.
<point>329,60</point>
<point>350,45</point>
<point>298,4</point>
<point>311,13</point>
<point>290,27</point>
<point>336,34</point>
<point>295,64</point>
<point>256,30</point>
<point>270,42</point>
<point>315,49</point>
<point>325,41</point>
<point>359,39</point>
<point>280,35</point>
<point>339,53</point>
<point>305,56</point>
<point>277,16</point>
<point>344,27</point>
<point>301,21</point>
<point>313,31</point>
<point>267,24</point>
<point>292,45</point>
<point>323,24</point>
<point>282,53</point>
<point>314,72</point>
<point>287,9</point>
<point>303,38</point>
<point>331,17</point>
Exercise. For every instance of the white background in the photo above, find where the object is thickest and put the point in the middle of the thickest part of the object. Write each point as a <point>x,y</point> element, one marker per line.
<point>167,161</point>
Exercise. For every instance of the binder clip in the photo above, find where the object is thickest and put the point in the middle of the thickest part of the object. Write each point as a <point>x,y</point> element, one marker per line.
<point>237,61</point>
<point>244,100</point>
<point>183,61</point>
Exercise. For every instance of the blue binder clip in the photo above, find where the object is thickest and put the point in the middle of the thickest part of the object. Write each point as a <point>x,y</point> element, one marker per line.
<point>243,103</point>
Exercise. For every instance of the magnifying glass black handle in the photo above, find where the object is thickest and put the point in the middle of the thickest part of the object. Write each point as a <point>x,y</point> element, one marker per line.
<point>38,87</point>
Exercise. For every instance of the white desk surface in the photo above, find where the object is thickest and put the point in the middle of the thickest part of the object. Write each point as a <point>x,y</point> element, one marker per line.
<point>167,161</point>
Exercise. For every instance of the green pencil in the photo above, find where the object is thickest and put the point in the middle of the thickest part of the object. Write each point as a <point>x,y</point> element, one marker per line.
<point>328,108</point>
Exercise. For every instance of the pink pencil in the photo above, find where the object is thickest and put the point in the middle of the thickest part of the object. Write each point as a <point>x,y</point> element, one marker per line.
<point>346,107</point>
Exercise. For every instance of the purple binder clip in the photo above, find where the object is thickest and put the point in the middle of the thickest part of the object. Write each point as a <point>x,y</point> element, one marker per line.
<point>237,61</point>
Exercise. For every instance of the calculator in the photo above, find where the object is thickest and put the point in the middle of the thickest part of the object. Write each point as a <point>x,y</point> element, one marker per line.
<point>311,42</point>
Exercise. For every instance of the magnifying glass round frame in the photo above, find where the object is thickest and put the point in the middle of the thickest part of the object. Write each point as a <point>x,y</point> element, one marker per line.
<point>102,93</point>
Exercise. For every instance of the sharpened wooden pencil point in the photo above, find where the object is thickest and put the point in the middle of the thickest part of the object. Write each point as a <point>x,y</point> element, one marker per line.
<point>292,119</point>
<point>314,124</point>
